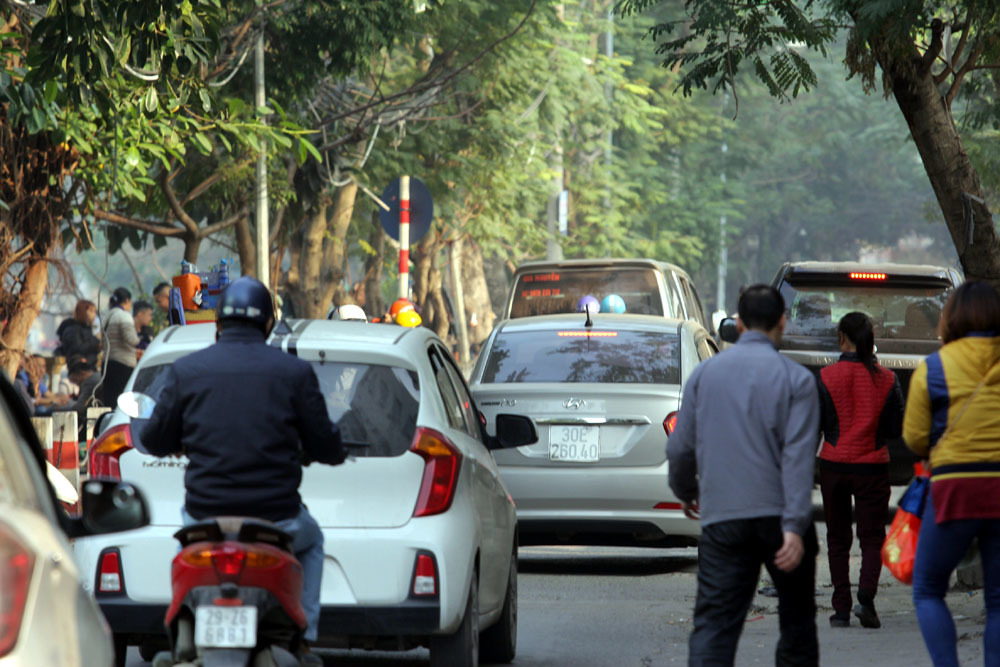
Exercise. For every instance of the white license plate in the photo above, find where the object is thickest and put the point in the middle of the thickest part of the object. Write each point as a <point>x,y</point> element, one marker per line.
<point>225,627</point>
<point>576,444</point>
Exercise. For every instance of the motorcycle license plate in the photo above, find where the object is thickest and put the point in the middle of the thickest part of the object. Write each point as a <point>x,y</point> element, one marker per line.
<point>225,627</point>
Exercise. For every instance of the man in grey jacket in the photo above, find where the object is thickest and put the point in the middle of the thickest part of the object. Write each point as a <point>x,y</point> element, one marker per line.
<point>742,456</point>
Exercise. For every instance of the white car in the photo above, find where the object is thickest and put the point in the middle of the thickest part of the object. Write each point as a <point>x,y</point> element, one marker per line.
<point>604,393</point>
<point>420,533</point>
<point>46,616</point>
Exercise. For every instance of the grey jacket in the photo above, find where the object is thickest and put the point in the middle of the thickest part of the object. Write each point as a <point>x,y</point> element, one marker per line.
<point>746,436</point>
<point>122,337</point>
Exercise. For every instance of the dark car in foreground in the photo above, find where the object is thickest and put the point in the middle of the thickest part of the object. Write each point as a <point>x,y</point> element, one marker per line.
<point>904,302</point>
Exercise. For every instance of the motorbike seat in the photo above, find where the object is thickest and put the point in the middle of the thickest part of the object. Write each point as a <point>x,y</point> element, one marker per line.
<point>235,528</point>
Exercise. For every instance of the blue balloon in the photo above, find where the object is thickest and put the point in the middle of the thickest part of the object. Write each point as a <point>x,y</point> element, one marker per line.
<point>613,303</point>
<point>591,301</point>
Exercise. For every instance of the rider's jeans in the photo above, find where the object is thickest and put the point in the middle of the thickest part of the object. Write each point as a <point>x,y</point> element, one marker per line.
<point>307,545</point>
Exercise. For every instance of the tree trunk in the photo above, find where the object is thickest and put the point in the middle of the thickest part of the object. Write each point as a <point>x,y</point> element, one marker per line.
<point>437,312</point>
<point>336,248</point>
<point>422,257</point>
<point>29,303</point>
<point>478,310</point>
<point>192,243</point>
<point>373,270</point>
<point>245,247</point>
<point>951,173</point>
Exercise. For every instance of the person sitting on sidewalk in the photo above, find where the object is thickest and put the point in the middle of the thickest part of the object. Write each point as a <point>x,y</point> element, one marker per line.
<point>861,407</point>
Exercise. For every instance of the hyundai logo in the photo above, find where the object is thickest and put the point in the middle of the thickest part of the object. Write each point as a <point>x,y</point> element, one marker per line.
<point>574,403</point>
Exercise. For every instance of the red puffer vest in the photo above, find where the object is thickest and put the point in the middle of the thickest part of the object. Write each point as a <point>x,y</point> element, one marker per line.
<point>857,397</point>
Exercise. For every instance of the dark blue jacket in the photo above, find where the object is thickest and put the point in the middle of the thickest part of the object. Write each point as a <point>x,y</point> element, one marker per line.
<point>239,410</point>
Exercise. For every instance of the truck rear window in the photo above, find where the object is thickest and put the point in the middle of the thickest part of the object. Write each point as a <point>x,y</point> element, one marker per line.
<point>573,355</point>
<point>375,406</point>
<point>897,311</point>
<point>547,292</point>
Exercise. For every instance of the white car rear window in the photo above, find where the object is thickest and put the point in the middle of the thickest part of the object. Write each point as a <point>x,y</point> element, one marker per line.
<point>375,406</point>
<point>585,355</point>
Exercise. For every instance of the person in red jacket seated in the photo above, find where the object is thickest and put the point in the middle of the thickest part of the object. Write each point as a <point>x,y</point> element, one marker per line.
<point>862,408</point>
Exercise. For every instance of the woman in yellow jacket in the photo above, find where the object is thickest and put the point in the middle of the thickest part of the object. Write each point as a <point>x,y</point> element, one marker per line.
<point>953,416</point>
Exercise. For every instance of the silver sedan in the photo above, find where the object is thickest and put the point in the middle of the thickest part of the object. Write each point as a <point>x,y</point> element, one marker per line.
<point>603,396</point>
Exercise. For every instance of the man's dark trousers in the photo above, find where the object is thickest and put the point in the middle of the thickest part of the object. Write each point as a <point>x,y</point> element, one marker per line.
<point>730,554</point>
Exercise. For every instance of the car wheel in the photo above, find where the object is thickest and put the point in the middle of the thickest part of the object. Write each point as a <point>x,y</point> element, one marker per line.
<point>460,648</point>
<point>499,643</point>
<point>121,650</point>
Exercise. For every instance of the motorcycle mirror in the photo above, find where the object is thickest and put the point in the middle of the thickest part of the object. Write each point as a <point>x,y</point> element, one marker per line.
<point>136,405</point>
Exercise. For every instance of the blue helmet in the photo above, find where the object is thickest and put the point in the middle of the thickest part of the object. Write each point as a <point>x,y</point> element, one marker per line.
<point>613,303</point>
<point>246,299</point>
<point>589,304</point>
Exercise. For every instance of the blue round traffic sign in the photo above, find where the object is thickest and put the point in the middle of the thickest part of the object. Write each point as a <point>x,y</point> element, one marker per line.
<point>421,209</point>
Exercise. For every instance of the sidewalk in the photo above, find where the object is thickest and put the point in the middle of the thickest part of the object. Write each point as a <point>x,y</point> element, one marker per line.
<point>897,642</point>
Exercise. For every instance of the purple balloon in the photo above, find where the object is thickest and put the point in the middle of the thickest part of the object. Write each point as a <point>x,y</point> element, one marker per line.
<point>588,303</point>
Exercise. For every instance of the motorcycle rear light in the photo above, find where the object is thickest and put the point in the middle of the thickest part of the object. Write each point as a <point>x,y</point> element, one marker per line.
<point>107,450</point>
<point>670,423</point>
<point>229,560</point>
<point>425,576</point>
<point>16,567</point>
<point>208,557</point>
<point>441,465</point>
<point>109,575</point>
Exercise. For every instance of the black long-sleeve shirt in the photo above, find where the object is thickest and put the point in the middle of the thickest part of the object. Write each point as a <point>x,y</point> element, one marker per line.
<point>239,411</point>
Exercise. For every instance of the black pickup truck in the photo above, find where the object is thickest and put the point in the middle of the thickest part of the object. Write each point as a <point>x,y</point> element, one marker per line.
<point>903,300</point>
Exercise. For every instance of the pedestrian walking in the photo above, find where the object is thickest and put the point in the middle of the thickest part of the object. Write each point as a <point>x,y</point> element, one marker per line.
<point>952,417</point>
<point>861,407</point>
<point>76,337</point>
<point>122,337</point>
<point>742,454</point>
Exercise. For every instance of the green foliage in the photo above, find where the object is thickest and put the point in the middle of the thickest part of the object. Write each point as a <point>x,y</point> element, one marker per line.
<point>714,41</point>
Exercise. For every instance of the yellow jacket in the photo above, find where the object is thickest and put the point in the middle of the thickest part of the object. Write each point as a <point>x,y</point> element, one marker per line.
<point>939,390</point>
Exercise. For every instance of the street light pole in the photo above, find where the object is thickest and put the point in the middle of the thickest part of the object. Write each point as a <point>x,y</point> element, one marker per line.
<point>263,232</point>
<point>720,298</point>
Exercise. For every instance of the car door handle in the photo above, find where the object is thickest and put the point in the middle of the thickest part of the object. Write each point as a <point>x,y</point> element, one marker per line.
<point>594,421</point>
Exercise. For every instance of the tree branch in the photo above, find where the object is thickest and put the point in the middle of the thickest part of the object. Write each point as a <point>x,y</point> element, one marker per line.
<point>135,223</point>
<point>932,52</point>
<point>965,34</point>
<point>175,205</point>
<point>970,64</point>
<point>224,224</point>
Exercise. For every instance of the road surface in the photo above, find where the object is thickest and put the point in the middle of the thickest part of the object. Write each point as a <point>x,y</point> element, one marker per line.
<point>610,607</point>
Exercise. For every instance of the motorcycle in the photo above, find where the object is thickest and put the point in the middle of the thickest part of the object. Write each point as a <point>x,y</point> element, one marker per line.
<point>236,587</point>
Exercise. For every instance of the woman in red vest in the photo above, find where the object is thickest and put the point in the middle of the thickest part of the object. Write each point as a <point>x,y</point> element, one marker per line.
<point>862,408</point>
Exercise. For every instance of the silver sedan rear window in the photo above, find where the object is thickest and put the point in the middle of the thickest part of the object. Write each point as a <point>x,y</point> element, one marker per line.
<point>584,355</point>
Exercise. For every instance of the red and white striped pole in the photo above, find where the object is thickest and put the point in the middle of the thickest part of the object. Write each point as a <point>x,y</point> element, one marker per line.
<point>404,237</point>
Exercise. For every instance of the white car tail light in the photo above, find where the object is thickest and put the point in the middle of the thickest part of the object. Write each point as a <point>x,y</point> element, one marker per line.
<point>441,464</point>
<point>670,423</point>
<point>425,576</point>
<point>109,573</point>
<point>107,449</point>
<point>16,567</point>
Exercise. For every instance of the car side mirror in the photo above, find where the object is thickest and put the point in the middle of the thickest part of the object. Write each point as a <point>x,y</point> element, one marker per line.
<point>514,431</point>
<point>729,332</point>
<point>109,506</point>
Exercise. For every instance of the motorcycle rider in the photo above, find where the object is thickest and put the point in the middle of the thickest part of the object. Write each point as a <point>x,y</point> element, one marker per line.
<point>239,410</point>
